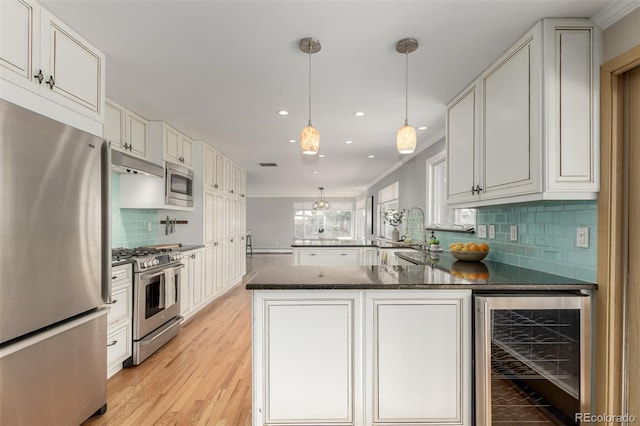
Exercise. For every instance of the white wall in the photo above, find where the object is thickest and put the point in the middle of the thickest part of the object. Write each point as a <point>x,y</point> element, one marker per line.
<point>621,36</point>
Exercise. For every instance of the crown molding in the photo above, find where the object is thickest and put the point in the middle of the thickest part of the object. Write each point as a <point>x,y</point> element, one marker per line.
<point>614,12</point>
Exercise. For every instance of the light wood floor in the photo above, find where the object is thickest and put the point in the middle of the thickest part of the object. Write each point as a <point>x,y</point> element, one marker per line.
<point>201,377</point>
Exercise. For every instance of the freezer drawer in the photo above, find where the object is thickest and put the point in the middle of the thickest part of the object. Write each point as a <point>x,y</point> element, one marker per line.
<point>57,376</point>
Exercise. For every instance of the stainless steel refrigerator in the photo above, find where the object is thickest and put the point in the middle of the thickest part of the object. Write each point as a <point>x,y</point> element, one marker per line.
<point>54,258</point>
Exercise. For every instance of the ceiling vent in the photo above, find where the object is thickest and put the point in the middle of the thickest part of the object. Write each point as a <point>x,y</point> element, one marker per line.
<point>268,164</point>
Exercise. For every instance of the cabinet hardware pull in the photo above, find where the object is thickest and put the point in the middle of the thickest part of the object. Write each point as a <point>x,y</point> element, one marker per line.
<point>112,343</point>
<point>312,254</point>
<point>343,254</point>
<point>473,190</point>
<point>232,191</point>
<point>114,277</point>
<point>478,189</point>
<point>112,302</point>
<point>51,82</point>
<point>215,185</point>
<point>39,77</point>
<point>232,240</point>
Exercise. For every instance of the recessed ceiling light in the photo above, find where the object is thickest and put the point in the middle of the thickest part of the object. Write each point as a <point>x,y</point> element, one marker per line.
<point>321,155</point>
<point>315,172</point>
<point>283,112</point>
<point>371,156</point>
<point>422,128</point>
<point>358,113</point>
<point>348,142</point>
<point>292,140</point>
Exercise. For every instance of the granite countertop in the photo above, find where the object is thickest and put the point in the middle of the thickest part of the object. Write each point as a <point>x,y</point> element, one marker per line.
<point>445,273</point>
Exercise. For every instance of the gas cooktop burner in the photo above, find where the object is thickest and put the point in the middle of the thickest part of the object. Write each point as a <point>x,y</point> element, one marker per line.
<point>146,257</point>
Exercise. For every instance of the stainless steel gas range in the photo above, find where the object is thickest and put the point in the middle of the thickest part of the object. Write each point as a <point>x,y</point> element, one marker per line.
<point>156,298</point>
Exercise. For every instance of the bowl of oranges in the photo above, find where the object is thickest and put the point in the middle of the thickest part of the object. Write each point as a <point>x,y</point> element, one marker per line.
<point>469,252</point>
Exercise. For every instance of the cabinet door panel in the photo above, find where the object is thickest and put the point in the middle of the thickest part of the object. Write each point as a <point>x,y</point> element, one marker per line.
<point>310,361</point>
<point>171,142</point>
<point>76,67</point>
<point>17,29</point>
<point>186,151</point>
<point>462,148</point>
<point>419,363</point>
<point>114,125</point>
<point>136,134</point>
<point>507,144</point>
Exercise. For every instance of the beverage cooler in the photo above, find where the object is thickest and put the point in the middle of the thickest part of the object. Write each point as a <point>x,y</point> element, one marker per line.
<point>533,358</point>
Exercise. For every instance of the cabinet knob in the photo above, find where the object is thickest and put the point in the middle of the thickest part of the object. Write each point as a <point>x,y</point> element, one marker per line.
<point>473,190</point>
<point>51,82</point>
<point>478,189</point>
<point>112,302</point>
<point>113,342</point>
<point>215,185</point>
<point>232,240</point>
<point>39,76</point>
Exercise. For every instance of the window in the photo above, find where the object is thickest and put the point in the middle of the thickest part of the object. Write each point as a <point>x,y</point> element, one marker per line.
<point>335,223</point>
<point>387,200</point>
<point>438,214</point>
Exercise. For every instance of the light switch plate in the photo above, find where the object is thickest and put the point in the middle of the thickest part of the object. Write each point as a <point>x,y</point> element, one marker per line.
<point>514,233</point>
<point>482,231</point>
<point>582,237</point>
<point>492,232</point>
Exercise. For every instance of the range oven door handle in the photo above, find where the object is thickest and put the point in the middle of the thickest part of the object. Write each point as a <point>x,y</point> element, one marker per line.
<point>157,274</point>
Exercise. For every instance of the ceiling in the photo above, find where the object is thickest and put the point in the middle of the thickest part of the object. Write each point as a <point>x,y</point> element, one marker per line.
<point>220,70</point>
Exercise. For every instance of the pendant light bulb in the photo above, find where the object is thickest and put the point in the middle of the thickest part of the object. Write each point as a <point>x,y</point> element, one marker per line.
<point>406,138</point>
<point>310,136</point>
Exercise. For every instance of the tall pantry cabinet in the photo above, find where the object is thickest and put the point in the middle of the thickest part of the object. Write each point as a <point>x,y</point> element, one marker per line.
<point>225,226</point>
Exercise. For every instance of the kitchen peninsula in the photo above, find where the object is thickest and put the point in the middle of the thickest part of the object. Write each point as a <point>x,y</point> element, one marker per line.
<point>374,344</point>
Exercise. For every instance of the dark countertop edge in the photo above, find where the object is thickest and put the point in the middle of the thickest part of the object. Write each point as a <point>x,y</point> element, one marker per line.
<point>190,247</point>
<point>461,286</point>
<point>369,243</point>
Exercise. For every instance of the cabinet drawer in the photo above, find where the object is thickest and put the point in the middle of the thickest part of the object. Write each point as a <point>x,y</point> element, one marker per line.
<point>121,275</point>
<point>337,257</point>
<point>121,303</point>
<point>118,344</point>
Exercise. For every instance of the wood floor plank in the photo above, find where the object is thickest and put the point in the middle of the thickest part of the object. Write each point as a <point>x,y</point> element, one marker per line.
<point>201,377</point>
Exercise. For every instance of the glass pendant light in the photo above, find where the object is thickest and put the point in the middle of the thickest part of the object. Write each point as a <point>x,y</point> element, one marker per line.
<point>310,136</point>
<point>406,137</point>
<point>321,203</point>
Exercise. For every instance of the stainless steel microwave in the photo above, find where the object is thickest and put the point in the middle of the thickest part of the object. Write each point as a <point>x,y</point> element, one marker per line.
<point>178,185</point>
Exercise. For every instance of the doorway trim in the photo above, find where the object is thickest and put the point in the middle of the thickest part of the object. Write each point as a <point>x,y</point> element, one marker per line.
<point>609,330</point>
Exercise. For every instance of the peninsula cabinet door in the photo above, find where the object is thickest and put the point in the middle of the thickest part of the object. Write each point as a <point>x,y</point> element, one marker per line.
<point>308,360</point>
<point>418,358</point>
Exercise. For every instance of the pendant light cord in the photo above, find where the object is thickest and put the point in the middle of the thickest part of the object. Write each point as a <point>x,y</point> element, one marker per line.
<point>406,87</point>
<point>309,83</point>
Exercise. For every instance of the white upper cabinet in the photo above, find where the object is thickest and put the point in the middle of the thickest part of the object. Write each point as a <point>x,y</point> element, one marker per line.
<point>177,147</point>
<point>42,54</point>
<point>526,128</point>
<point>463,136</point>
<point>126,130</point>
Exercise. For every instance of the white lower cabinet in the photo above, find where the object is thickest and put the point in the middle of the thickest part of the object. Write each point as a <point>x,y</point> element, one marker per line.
<point>307,361</point>
<point>394,357</point>
<point>192,286</point>
<point>119,318</point>
<point>418,357</point>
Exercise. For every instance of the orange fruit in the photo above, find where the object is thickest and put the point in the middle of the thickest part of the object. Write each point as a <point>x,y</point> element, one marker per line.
<point>483,247</point>
<point>473,247</point>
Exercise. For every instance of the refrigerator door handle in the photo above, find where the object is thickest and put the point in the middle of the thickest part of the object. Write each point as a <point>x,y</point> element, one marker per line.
<point>106,221</point>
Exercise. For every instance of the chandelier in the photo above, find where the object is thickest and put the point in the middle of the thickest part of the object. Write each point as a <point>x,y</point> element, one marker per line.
<point>406,138</point>
<point>321,203</point>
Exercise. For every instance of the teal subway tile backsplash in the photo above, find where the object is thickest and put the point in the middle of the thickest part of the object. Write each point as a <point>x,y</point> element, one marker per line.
<point>129,227</point>
<point>546,236</point>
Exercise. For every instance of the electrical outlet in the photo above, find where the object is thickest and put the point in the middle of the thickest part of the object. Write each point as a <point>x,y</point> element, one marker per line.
<point>582,237</point>
<point>149,227</point>
<point>514,233</point>
<point>482,231</point>
<point>492,232</point>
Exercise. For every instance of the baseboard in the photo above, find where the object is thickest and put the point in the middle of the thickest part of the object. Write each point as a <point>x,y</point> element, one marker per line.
<point>272,251</point>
